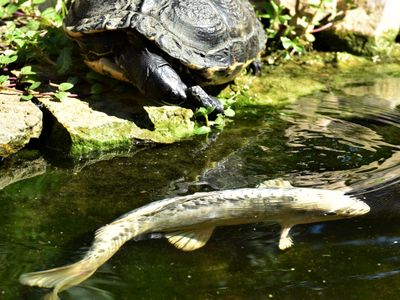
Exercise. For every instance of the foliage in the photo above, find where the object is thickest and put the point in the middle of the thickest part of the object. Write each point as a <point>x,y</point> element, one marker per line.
<point>33,45</point>
<point>289,35</point>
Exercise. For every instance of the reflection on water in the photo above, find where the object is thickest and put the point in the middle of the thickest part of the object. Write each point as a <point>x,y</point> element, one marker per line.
<point>353,135</point>
<point>346,139</point>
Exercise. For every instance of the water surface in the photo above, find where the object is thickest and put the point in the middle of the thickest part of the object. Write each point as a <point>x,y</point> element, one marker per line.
<point>347,139</point>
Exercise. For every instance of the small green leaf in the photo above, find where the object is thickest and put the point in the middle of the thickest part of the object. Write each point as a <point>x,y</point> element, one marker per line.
<point>229,112</point>
<point>201,111</point>
<point>286,42</point>
<point>10,9</point>
<point>27,70</point>
<point>219,121</point>
<point>34,85</point>
<point>3,78</point>
<point>65,86</point>
<point>7,59</point>
<point>60,96</point>
<point>25,97</point>
<point>202,130</point>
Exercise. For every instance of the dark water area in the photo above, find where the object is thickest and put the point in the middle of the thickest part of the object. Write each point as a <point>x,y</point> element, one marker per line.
<point>347,139</point>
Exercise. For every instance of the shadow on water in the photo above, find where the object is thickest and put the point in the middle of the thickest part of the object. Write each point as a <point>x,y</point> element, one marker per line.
<point>346,139</point>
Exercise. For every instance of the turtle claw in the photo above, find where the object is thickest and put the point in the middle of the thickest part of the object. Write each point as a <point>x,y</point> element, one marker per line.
<point>255,68</point>
<point>198,96</point>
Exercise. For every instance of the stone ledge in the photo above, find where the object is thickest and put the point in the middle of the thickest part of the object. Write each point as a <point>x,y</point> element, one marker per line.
<point>90,130</point>
<point>20,121</point>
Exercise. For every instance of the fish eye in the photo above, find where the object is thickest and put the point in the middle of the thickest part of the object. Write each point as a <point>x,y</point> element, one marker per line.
<point>331,213</point>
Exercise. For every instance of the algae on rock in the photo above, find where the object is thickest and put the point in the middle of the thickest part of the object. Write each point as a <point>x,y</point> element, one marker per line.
<point>79,129</point>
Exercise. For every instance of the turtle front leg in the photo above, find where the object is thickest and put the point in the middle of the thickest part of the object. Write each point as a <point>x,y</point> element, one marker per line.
<point>155,78</point>
<point>255,68</point>
<point>198,96</point>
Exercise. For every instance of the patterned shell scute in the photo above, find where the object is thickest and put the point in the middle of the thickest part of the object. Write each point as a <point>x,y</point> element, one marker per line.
<point>200,33</point>
<point>87,16</point>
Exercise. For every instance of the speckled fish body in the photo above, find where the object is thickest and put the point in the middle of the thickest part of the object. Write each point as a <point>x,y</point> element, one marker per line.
<point>188,222</point>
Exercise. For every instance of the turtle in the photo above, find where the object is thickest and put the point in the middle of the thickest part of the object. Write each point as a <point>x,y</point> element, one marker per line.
<point>171,50</point>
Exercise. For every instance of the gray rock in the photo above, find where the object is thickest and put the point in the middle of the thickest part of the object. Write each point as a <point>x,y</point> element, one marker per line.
<point>369,28</point>
<point>372,18</point>
<point>20,121</point>
<point>80,129</point>
<point>366,27</point>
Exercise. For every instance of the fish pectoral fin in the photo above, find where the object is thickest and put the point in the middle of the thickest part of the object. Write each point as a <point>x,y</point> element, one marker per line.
<point>189,240</point>
<point>275,183</point>
<point>285,241</point>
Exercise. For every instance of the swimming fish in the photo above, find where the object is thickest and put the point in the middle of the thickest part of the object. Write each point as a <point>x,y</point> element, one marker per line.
<point>188,222</point>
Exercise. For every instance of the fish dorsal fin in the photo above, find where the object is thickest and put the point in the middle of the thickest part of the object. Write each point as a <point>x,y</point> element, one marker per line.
<point>190,240</point>
<point>275,183</point>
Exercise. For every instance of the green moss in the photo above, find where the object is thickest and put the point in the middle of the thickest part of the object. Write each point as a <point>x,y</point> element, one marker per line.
<point>113,136</point>
<point>170,123</point>
<point>274,87</point>
<point>79,129</point>
<point>309,74</point>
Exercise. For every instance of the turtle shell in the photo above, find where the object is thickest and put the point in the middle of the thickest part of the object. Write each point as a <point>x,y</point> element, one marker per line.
<point>208,35</point>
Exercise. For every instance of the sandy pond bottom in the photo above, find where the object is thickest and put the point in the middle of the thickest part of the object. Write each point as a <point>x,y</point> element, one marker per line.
<point>329,140</point>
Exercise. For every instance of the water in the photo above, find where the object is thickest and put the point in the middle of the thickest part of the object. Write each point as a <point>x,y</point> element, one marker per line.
<point>337,139</point>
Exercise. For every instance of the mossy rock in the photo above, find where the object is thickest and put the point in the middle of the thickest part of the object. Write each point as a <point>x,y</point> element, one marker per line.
<point>78,129</point>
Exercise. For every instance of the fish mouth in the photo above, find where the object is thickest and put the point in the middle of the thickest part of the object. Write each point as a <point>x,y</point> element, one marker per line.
<point>359,208</point>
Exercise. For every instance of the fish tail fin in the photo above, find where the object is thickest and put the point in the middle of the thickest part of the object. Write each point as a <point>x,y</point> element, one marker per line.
<point>60,278</point>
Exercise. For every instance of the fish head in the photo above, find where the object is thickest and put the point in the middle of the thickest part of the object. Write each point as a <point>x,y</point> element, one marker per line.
<point>322,205</point>
<point>338,206</point>
<point>351,208</point>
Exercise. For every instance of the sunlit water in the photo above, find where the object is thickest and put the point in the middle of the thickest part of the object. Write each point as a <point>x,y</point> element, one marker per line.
<point>344,139</point>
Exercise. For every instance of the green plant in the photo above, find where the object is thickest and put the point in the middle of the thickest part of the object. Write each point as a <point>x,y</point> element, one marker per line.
<point>289,35</point>
<point>30,36</point>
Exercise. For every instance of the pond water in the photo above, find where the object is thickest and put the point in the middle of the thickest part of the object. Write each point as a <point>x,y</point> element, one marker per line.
<point>332,139</point>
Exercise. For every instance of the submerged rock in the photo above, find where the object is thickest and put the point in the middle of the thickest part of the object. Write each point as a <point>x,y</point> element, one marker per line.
<point>20,121</point>
<point>79,129</point>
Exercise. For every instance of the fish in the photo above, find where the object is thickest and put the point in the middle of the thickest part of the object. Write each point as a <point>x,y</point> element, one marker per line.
<point>188,222</point>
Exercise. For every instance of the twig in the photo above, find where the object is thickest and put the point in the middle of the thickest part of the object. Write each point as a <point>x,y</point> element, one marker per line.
<point>324,27</point>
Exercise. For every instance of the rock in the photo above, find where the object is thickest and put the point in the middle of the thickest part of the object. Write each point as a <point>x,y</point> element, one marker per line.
<point>373,18</point>
<point>80,129</point>
<point>346,61</point>
<point>362,27</point>
<point>171,122</point>
<point>20,121</point>
<point>370,28</point>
